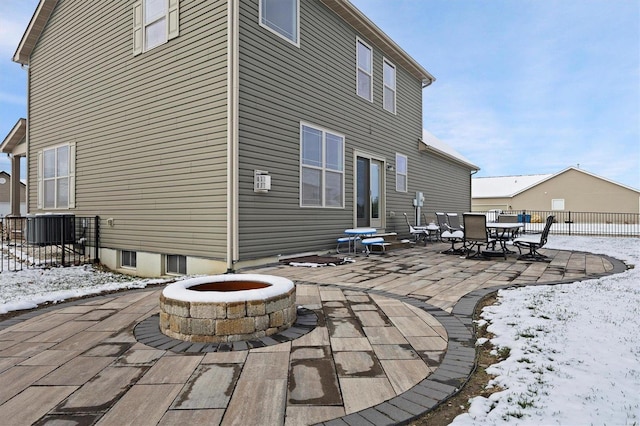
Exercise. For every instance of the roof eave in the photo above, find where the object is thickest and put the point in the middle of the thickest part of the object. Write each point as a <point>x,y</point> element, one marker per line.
<point>426,147</point>
<point>17,134</point>
<point>34,31</point>
<point>350,14</point>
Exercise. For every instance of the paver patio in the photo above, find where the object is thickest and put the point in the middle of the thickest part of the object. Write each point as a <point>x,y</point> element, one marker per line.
<point>393,336</point>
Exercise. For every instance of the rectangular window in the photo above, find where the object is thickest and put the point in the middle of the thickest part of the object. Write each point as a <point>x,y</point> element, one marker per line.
<point>128,259</point>
<point>282,17</point>
<point>364,59</point>
<point>389,83</point>
<point>56,177</point>
<point>322,168</point>
<point>176,264</point>
<point>401,172</point>
<point>557,204</point>
<point>154,23</point>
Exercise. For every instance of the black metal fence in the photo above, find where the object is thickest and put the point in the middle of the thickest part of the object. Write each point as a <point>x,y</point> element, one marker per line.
<point>48,240</point>
<point>578,223</point>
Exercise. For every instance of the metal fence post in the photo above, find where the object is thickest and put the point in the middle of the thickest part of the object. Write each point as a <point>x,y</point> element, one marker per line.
<point>62,234</point>
<point>96,239</point>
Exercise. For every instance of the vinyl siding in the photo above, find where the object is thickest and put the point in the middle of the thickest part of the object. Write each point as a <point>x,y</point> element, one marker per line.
<point>150,130</point>
<point>282,85</point>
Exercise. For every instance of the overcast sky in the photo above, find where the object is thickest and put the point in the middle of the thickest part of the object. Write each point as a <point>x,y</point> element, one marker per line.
<point>522,86</point>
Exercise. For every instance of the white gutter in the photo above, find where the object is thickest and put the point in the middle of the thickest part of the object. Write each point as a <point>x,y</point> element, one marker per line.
<point>233,53</point>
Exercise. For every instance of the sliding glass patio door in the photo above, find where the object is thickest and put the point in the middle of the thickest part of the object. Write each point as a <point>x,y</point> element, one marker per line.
<point>369,192</point>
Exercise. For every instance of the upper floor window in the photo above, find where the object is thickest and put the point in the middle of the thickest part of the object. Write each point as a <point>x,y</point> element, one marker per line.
<point>322,168</point>
<point>389,83</point>
<point>56,177</point>
<point>282,17</point>
<point>401,172</point>
<point>154,23</point>
<point>364,70</point>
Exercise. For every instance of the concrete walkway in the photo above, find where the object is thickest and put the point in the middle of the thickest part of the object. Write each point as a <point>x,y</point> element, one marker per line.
<point>392,337</point>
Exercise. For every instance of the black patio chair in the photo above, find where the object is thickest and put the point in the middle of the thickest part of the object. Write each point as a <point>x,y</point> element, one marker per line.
<point>476,235</point>
<point>534,242</point>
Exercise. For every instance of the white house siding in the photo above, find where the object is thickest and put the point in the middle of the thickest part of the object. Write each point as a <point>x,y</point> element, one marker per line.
<point>282,85</point>
<point>150,130</point>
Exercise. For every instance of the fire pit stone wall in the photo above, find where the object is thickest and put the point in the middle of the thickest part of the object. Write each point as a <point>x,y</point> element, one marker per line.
<point>222,321</point>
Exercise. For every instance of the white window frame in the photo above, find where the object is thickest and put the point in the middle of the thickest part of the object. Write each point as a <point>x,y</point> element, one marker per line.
<point>323,168</point>
<point>130,256</point>
<point>70,176</point>
<point>400,173</point>
<point>265,23</point>
<point>359,69</point>
<point>388,86</point>
<point>557,204</point>
<point>171,18</point>
<point>180,258</point>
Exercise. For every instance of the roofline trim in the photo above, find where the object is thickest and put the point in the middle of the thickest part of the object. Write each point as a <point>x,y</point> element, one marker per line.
<point>423,146</point>
<point>17,133</point>
<point>358,21</point>
<point>34,30</point>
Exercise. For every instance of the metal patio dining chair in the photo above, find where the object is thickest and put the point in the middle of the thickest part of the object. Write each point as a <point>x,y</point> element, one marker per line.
<point>476,235</point>
<point>417,232</point>
<point>534,242</point>
<point>454,221</point>
<point>454,236</point>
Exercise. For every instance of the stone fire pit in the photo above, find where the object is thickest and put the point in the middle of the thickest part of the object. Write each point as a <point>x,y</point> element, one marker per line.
<point>227,308</point>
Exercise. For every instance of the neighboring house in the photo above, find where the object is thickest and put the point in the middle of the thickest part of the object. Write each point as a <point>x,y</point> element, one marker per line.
<point>13,192</point>
<point>213,135</point>
<point>5,195</point>
<point>571,189</point>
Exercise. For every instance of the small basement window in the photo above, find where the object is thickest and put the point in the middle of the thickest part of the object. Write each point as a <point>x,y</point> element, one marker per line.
<point>176,264</point>
<point>128,259</point>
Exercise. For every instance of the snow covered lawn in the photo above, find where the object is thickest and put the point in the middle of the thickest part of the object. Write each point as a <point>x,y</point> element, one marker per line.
<point>31,287</point>
<point>574,349</point>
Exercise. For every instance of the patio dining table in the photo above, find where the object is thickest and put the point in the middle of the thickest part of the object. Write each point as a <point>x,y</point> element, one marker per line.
<point>504,232</point>
<point>355,234</point>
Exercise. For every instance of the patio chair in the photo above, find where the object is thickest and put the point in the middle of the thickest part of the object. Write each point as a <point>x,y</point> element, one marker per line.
<point>451,235</point>
<point>416,232</point>
<point>475,234</point>
<point>454,221</point>
<point>534,242</point>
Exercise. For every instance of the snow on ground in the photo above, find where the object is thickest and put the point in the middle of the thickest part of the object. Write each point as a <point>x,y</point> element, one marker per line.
<point>32,287</point>
<point>574,349</point>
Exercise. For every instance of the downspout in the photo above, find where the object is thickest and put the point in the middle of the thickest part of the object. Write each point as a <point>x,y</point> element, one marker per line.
<point>473,172</point>
<point>232,133</point>
<point>27,140</point>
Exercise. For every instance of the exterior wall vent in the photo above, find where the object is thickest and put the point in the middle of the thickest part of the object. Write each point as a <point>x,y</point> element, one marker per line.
<point>261,181</point>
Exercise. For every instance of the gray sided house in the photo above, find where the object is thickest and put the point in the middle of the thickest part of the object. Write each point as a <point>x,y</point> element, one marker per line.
<point>214,135</point>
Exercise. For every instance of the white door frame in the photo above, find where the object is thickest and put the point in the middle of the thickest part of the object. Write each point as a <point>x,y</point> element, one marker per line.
<point>381,223</point>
